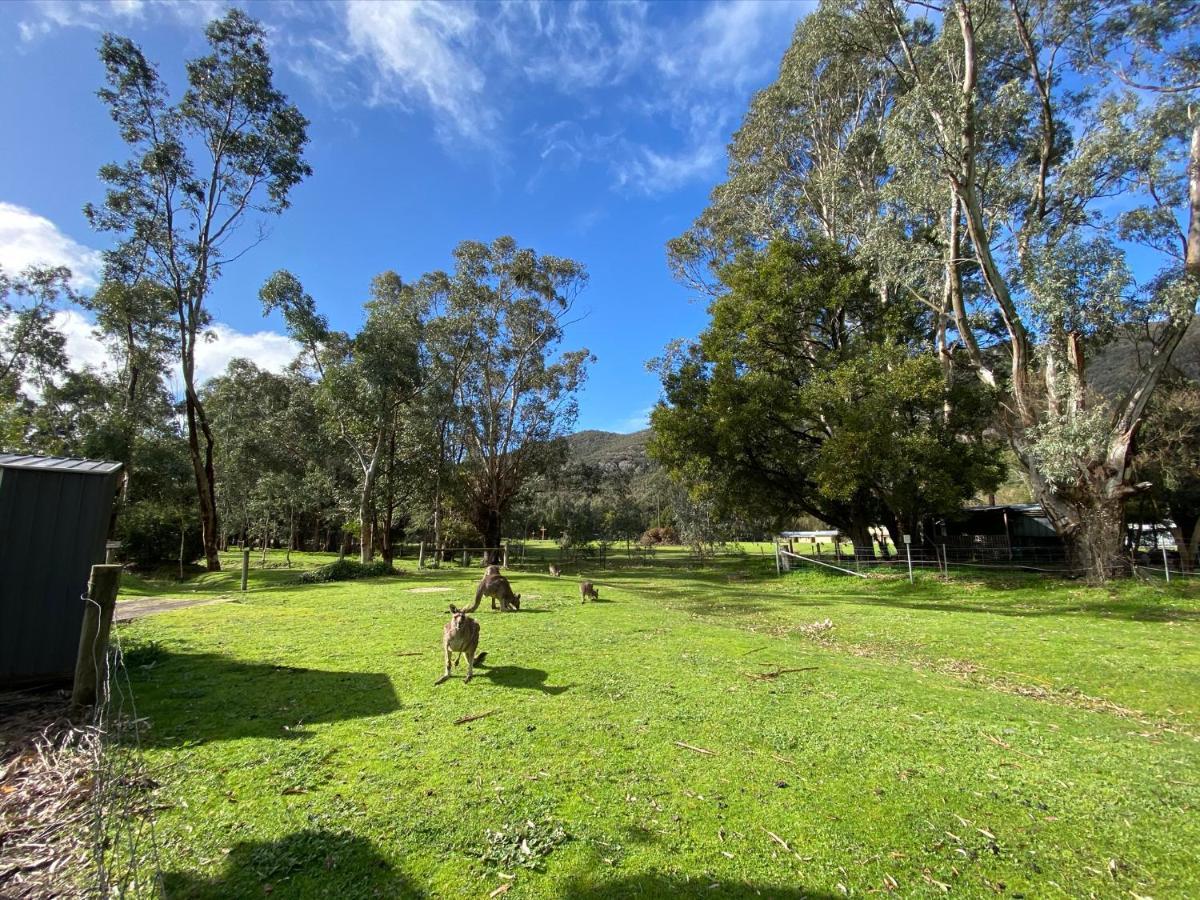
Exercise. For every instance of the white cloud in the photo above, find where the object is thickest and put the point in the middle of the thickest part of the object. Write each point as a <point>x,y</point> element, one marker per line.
<point>27,239</point>
<point>84,349</point>
<point>637,422</point>
<point>98,15</point>
<point>651,172</point>
<point>266,349</point>
<point>421,52</point>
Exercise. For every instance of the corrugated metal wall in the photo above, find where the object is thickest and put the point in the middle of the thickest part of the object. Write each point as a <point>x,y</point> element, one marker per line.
<point>53,525</point>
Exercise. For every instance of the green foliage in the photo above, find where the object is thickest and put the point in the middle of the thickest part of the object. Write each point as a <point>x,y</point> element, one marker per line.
<point>347,570</point>
<point>524,845</point>
<point>512,392</point>
<point>808,395</point>
<point>151,534</point>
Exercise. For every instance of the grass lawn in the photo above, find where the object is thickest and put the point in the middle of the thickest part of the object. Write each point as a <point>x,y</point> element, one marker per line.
<point>1008,736</point>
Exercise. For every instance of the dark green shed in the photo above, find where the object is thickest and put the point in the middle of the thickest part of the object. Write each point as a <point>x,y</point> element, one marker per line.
<point>54,520</point>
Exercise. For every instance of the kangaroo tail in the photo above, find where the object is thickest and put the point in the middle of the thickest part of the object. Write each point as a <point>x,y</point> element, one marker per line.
<point>480,658</point>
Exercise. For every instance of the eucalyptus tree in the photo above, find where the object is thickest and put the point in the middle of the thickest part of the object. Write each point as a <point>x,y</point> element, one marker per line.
<point>198,169</point>
<point>31,347</point>
<point>368,383</point>
<point>1029,145</point>
<point>515,392</point>
<point>808,395</point>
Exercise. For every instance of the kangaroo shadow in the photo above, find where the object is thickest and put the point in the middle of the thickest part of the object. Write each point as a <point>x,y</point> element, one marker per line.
<point>200,697</point>
<point>303,863</point>
<point>519,677</point>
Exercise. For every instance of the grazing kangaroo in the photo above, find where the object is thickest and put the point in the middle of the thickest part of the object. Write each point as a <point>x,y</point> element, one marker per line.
<point>461,636</point>
<point>555,571</point>
<point>588,591</point>
<point>498,588</point>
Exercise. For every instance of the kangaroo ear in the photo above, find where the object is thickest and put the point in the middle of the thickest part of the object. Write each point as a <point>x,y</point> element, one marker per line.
<point>453,608</point>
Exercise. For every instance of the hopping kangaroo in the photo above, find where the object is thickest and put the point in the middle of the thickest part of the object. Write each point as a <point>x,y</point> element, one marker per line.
<point>498,588</point>
<point>461,636</point>
<point>588,591</point>
<point>555,571</point>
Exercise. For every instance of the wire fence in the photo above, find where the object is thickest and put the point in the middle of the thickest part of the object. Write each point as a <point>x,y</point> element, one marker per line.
<point>946,558</point>
<point>122,835</point>
<point>77,808</point>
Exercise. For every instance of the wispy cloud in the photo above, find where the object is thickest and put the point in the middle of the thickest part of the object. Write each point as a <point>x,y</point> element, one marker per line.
<point>650,172</point>
<point>636,422</point>
<point>421,53</point>
<point>27,239</point>
<point>46,16</point>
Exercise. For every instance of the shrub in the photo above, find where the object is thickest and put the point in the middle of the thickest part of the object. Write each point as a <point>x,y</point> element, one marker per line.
<point>347,570</point>
<point>150,538</point>
<point>665,534</point>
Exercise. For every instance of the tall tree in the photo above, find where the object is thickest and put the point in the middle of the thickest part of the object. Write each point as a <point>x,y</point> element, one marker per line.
<point>1021,122</point>
<point>366,382</point>
<point>232,146</point>
<point>505,308</point>
<point>807,395</point>
<point>31,348</point>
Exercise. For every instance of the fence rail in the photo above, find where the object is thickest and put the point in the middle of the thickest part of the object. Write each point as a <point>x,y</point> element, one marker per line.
<point>943,557</point>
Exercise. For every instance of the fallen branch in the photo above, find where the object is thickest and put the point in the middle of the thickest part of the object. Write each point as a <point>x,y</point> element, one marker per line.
<point>767,676</point>
<point>755,650</point>
<point>695,749</point>
<point>411,653</point>
<point>466,719</point>
<point>780,841</point>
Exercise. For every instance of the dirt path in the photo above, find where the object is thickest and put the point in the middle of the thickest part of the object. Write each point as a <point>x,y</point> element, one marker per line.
<point>135,609</point>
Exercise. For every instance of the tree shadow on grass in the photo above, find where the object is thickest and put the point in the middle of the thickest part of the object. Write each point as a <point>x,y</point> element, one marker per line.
<point>519,677</point>
<point>311,862</point>
<point>200,697</point>
<point>655,885</point>
<point>1031,607</point>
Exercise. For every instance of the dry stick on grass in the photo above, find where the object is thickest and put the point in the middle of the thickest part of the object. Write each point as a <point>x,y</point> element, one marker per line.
<point>411,653</point>
<point>780,841</point>
<point>755,650</point>
<point>466,719</point>
<point>767,676</point>
<point>695,749</point>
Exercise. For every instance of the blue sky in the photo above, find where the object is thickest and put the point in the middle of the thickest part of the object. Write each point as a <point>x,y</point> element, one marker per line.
<point>593,131</point>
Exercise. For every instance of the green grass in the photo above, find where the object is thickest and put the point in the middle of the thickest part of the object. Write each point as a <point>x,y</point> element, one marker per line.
<point>1013,736</point>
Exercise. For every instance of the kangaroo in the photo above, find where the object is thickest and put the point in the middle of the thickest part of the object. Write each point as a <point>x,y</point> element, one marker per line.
<point>498,588</point>
<point>491,570</point>
<point>461,636</point>
<point>555,571</point>
<point>588,591</point>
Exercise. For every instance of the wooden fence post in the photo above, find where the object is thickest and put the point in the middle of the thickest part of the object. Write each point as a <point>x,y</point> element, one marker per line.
<point>245,567</point>
<point>466,558</point>
<point>421,556</point>
<point>504,561</point>
<point>91,664</point>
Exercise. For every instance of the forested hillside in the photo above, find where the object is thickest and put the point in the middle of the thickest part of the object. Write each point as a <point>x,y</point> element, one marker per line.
<point>609,450</point>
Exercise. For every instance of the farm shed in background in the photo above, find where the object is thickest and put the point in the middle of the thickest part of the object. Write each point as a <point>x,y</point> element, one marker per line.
<point>54,520</point>
<point>1019,532</point>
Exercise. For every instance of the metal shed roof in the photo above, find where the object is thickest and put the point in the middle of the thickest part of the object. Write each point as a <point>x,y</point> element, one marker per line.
<point>58,464</point>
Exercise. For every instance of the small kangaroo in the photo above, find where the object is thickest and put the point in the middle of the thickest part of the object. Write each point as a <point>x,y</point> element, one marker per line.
<point>461,635</point>
<point>588,591</point>
<point>491,570</point>
<point>498,588</point>
<point>555,571</point>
